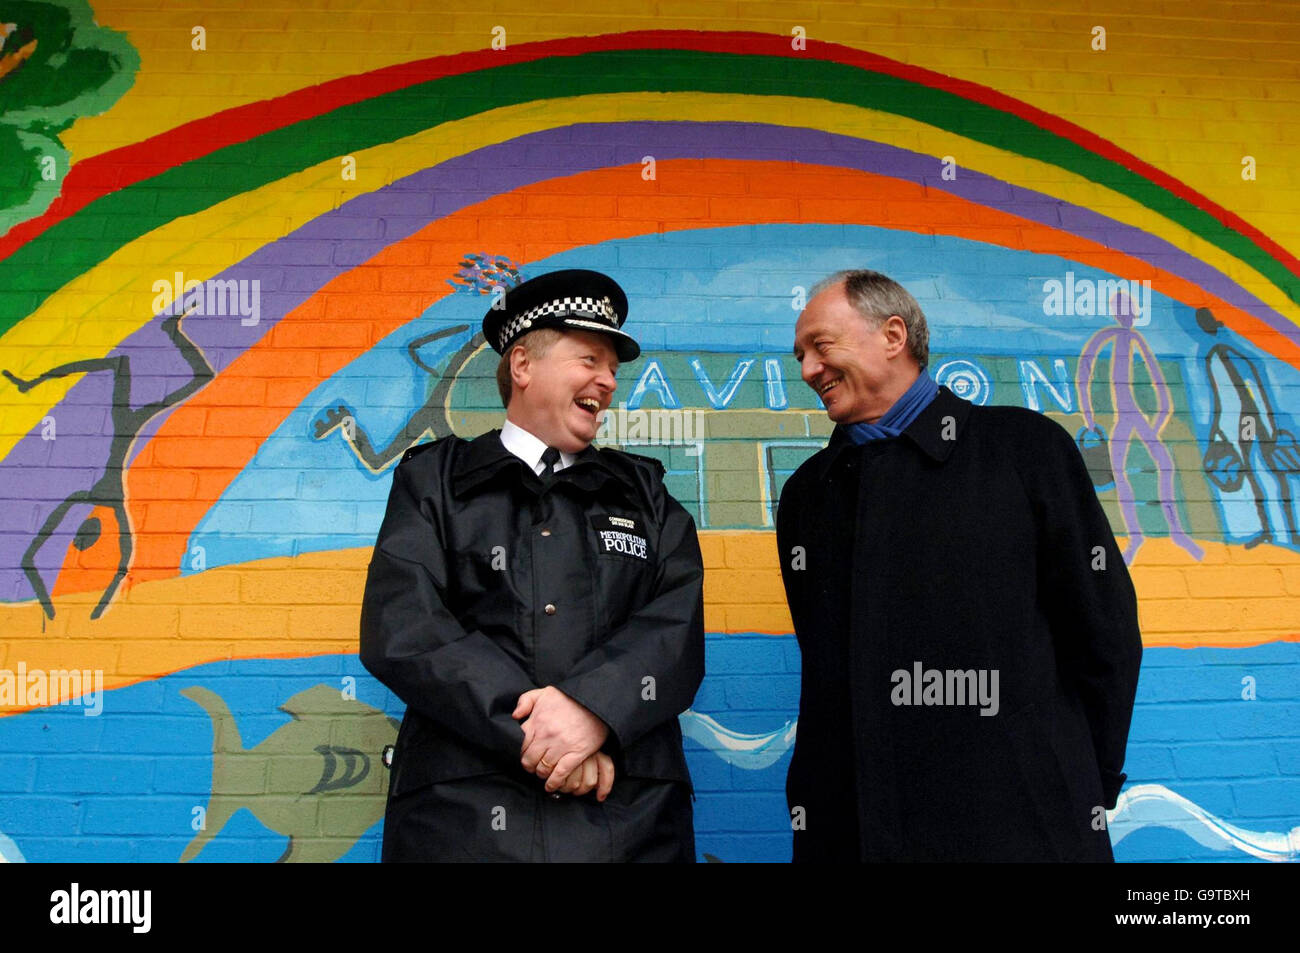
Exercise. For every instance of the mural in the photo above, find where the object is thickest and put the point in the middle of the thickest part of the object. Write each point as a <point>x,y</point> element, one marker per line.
<point>56,65</point>
<point>222,336</point>
<point>322,718</point>
<point>104,499</point>
<point>1130,424</point>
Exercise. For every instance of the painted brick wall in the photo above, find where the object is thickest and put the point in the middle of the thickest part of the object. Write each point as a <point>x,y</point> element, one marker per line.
<point>188,506</point>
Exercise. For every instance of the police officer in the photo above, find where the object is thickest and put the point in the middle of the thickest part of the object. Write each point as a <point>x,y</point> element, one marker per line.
<point>537,604</point>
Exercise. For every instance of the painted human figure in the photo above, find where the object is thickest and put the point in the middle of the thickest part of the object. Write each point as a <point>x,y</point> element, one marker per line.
<point>1131,421</point>
<point>106,524</point>
<point>428,420</point>
<point>1247,447</point>
<point>479,274</point>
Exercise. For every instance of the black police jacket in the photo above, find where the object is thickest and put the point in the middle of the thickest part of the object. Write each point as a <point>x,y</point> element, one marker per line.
<point>485,584</point>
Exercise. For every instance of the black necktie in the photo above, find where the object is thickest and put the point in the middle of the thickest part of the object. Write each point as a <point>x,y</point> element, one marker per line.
<point>550,457</point>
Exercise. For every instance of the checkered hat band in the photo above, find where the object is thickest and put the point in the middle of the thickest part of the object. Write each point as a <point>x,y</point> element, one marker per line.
<point>563,307</point>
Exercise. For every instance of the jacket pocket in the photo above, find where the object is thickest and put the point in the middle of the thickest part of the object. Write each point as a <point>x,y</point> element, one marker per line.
<point>658,755</point>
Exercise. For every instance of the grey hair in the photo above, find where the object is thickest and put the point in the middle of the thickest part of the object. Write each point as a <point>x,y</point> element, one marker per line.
<point>876,297</point>
<point>536,344</point>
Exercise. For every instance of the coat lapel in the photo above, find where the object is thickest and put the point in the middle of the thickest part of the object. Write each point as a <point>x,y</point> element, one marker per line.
<point>482,460</point>
<point>935,431</point>
<point>940,425</point>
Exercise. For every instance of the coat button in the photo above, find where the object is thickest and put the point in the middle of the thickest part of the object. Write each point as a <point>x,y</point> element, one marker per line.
<point>550,609</point>
<point>546,532</point>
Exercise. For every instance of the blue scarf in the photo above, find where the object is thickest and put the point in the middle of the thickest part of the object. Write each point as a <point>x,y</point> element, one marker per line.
<point>896,419</point>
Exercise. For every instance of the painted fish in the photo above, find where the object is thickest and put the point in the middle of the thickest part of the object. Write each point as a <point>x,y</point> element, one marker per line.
<point>318,779</point>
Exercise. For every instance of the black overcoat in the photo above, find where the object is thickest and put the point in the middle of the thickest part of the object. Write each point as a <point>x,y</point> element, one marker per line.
<point>972,544</point>
<point>484,584</point>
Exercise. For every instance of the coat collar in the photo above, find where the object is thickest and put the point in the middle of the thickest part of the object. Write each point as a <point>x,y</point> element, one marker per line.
<point>926,432</point>
<point>529,447</point>
<point>485,458</point>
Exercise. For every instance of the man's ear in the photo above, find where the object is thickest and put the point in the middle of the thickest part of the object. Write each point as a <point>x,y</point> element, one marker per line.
<point>895,334</point>
<point>521,371</point>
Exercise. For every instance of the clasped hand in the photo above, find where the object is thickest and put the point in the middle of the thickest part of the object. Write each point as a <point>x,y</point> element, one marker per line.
<point>562,743</point>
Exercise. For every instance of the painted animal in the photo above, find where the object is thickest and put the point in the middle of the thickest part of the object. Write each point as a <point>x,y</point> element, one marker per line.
<point>318,779</point>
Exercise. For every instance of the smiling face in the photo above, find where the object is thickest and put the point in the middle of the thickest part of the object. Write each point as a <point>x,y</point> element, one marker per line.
<point>559,396</point>
<point>857,368</point>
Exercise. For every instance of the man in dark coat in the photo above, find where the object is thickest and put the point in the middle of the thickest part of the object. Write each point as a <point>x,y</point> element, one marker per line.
<point>537,604</point>
<point>968,628</point>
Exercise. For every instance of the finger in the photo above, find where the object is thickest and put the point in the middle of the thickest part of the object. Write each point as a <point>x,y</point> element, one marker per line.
<point>561,770</point>
<point>589,773</point>
<point>535,761</point>
<point>573,783</point>
<point>537,736</point>
<point>605,768</point>
<point>586,773</point>
<point>525,704</point>
<point>583,777</point>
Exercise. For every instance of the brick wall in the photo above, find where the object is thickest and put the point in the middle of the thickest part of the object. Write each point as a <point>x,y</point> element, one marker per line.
<point>188,507</point>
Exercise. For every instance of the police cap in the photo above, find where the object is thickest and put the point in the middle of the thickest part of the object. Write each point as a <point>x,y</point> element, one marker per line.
<point>570,300</point>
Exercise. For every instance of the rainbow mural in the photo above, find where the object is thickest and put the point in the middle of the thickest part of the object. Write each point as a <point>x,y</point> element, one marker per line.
<point>222,329</point>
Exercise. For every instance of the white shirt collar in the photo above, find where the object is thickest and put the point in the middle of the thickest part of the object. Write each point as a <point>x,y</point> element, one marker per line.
<point>529,448</point>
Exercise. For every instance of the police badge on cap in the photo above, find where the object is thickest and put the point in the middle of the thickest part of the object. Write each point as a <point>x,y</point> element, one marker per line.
<point>569,300</point>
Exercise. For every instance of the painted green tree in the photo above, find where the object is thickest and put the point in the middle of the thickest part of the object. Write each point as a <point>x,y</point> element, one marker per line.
<point>56,65</point>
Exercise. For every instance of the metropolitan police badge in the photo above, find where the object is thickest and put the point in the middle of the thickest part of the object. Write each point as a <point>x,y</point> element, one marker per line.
<point>620,536</point>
